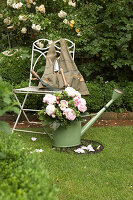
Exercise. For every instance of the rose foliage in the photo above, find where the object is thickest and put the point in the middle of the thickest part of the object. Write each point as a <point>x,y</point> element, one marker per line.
<point>102,31</point>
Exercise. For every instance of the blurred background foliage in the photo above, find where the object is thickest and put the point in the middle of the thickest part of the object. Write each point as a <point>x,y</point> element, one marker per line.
<point>102,31</point>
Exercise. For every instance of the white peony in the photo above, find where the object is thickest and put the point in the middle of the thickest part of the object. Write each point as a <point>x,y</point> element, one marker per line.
<point>50,109</point>
<point>77,94</point>
<point>71,91</point>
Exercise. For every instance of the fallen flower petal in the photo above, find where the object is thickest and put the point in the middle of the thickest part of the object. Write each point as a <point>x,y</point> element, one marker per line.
<point>33,138</point>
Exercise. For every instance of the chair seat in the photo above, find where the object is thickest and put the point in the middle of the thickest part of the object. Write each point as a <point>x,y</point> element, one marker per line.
<point>34,90</point>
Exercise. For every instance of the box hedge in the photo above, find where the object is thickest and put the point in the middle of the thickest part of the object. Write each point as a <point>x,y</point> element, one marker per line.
<point>22,175</point>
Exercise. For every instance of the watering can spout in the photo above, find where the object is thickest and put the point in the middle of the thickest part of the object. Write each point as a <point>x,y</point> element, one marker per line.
<point>116,94</point>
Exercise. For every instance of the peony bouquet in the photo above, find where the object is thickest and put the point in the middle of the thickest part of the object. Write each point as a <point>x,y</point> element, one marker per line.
<point>62,108</point>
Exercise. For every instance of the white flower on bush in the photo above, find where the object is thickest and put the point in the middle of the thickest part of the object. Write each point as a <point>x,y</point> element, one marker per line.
<point>28,5</point>
<point>9,2</point>
<point>69,114</point>
<point>40,8</point>
<point>36,27</point>
<point>17,5</point>
<point>63,105</point>
<point>50,109</point>
<point>71,91</point>
<point>22,17</point>
<point>1,15</point>
<point>70,3</point>
<point>49,99</point>
<point>7,21</point>
<point>65,21</point>
<point>40,44</point>
<point>62,14</point>
<point>23,30</point>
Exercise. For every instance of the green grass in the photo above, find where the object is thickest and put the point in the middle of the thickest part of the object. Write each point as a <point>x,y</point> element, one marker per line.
<point>107,175</point>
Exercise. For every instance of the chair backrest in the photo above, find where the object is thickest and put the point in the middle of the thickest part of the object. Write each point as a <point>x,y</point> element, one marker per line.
<point>40,49</point>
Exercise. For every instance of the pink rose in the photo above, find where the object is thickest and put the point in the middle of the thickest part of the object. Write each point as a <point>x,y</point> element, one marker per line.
<point>69,113</point>
<point>82,107</point>
<point>63,104</point>
<point>49,99</point>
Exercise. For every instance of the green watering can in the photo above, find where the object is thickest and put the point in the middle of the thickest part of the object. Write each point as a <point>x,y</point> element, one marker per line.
<point>71,135</point>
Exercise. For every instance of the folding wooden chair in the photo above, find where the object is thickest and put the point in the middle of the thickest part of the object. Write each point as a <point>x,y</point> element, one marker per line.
<point>42,52</point>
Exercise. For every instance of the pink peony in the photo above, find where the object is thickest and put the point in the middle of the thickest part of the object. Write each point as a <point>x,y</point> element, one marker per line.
<point>83,101</point>
<point>63,105</point>
<point>78,101</point>
<point>49,99</point>
<point>82,107</point>
<point>69,113</point>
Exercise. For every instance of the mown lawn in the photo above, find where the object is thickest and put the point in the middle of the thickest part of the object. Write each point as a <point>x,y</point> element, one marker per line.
<point>107,175</point>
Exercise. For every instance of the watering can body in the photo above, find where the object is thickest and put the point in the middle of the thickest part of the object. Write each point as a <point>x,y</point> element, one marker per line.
<point>68,136</point>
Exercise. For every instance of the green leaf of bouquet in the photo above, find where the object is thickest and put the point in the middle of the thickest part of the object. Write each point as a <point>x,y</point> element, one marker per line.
<point>85,114</point>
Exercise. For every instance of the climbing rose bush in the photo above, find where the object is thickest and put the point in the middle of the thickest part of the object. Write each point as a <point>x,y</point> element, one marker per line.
<point>62,108</point>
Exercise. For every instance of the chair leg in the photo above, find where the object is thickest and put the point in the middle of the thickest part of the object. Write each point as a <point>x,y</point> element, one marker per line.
<point>21,110</point>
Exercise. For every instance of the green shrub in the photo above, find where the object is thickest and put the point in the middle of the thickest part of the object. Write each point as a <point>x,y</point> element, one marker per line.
<point>6,103</point>
<point>128,98</point>
<point>102,32</point>
<point>22,175</point>
<point>96,98</point>
<point>15,68</point>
